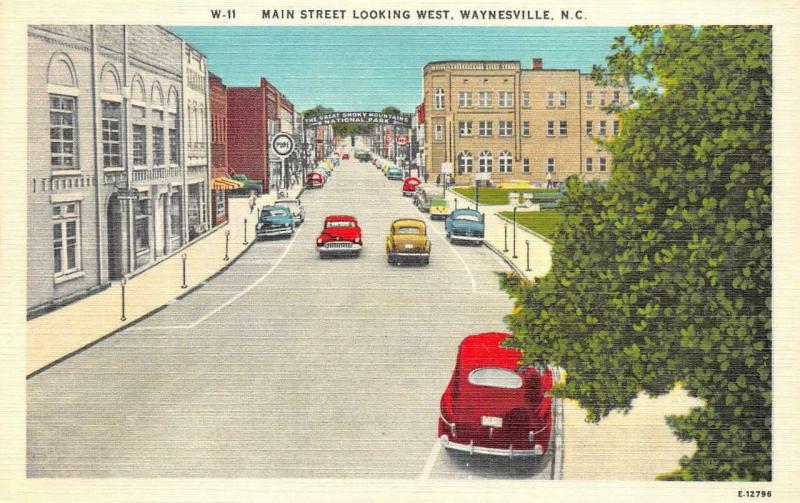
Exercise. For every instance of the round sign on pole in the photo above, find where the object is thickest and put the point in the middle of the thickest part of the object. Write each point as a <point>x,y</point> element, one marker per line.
<point>283,144</point>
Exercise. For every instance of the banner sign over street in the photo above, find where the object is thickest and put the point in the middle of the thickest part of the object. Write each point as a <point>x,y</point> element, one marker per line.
<point>362,117</point>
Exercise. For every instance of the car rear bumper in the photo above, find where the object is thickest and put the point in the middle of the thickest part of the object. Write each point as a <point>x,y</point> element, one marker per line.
<point>491,451</point>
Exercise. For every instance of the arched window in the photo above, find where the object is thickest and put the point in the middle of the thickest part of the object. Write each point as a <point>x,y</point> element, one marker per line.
<point>485,161</point>
<point>464,162</point>
<point>439,96</point>
<point>505,161</point>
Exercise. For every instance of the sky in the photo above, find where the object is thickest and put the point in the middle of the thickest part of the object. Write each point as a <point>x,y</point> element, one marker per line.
<point>369,68</point>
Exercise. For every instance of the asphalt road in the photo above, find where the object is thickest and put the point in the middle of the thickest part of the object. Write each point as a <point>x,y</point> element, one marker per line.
<point>284,365</point>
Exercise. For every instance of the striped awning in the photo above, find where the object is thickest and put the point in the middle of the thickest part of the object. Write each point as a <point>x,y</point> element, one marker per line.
<point>225,183</point>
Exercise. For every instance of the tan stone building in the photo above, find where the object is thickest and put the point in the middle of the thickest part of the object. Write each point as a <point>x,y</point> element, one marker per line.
<point>515,123</point>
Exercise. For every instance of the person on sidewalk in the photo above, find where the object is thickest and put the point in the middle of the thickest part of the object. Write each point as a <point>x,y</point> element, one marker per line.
<point>549,180</point>
<point>252,201</point>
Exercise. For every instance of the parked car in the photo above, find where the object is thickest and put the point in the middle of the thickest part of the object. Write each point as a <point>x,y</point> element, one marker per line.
<point>410,184</point>
<point>296,206</point>
<point>465,225</point>
<point>394,173</point>
<point>314,180</point>
<point>275,220</point>
<point>492,406</point>
<point>340,235</point>
<point>408,241</point>
<point>439,208</point>
<point>248,185</point>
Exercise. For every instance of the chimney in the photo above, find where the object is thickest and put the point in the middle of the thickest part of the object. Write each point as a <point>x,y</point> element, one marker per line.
<point>537,63</point>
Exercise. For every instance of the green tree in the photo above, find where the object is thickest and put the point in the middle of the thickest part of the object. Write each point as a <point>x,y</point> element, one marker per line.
<point>663,275</point>
<point>391,110</point>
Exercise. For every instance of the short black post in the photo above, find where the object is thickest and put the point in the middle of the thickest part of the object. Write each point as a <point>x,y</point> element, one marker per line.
<point>122,283</point>
<point>514,247</point>
<point>245,232</point>
<point>456,202</point>
<point>183,257</point>
<point>227,239</point>
<point>505,237</point>
<point>528,252</point>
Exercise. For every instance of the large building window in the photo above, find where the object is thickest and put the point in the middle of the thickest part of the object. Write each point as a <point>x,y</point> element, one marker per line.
<point>589,98</point>
<point>526,99</point>
<point>506,99</point>
<point>484,99</point>
<point>62,132</point>
<point>562,99</point>
<point>550,101</point>
<point>465,162</point>
<point>551,128</point>
<point>485,162</point>
<point>602,164</point>
<point>562,128</point>
<point>464,99</point>
<point>485,128</point>
<point>112,148</point>
<point>439,99</point>
<point>615,128</point>
<point>219,198</point>
<point>602,99</point>
<point>505,161</point>
<point>465,128</point>
<point>174,139</point>
<point>437,132</point>
<point>551,164</point>
<point>588,164</point>
<point>158,146</point>
<point>505,128</point>
<point>66,239</point>
<point>139,145</point>
<point>589,128</point>
<point>526,165</point>
<point>615,99</point>
<point>526,128</point>
<point>602,128</point>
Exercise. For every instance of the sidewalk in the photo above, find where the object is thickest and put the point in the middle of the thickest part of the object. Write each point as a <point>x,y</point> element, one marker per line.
<point>57,334</point>
<point>495,230</point>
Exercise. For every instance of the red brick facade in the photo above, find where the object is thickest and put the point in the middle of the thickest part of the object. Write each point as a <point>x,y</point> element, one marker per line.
<point>250,110</point>
<point>219,145</point>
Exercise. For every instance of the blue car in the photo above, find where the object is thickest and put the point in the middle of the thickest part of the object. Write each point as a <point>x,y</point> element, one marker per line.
<point>465,225</point>
<point>275,221</point>
<point>394,173</point>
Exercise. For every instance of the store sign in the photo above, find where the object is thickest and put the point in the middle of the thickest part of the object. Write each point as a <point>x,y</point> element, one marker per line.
<point>283,144</point>
<point>402,140</point>
<point>358,117</point>
<point>127,194</point>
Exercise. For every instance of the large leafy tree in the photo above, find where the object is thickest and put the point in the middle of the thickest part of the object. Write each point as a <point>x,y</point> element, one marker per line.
<point>663,275</point>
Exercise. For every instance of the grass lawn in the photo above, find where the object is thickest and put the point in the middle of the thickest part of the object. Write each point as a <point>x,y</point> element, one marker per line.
<point>494,196</point>
<point>543,222</point>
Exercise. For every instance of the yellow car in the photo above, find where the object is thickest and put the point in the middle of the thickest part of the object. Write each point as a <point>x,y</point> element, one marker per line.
<point>408,241</point>
<point>385,167</point>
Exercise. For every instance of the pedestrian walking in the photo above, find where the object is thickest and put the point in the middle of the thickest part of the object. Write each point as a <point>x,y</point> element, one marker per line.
<point>549,180</point>
<point>426,176</point>
<point>252,201</point>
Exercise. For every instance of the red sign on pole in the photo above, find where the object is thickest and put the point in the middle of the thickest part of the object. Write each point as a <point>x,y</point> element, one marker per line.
<point>402,140</point>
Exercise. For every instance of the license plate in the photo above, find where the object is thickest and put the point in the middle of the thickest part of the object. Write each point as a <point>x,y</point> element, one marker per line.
<point>494,422</point>
<point>409,247</point>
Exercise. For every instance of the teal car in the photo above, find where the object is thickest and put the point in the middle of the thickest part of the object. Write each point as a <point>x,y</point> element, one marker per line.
<point>394,173</point>
<point>275,221</point>
<point>465,225</point>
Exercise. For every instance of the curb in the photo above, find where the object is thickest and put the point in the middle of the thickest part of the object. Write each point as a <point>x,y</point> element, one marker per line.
<point>517,270</point>
<point>143,317</point>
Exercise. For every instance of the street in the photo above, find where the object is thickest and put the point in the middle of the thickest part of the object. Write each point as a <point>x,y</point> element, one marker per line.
<point>285,365</point>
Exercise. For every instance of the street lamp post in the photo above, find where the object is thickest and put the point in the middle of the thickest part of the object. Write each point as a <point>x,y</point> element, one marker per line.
<point>528,252</point>
<point>505,237</point>
<point>245,232</point>
<point>227,238</point>
<point>477,184</point>
<point>514,247</point>
<point>183,258</point>
<point>122,284</point>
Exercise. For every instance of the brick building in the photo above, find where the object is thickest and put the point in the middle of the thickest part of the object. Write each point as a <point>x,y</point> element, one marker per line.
<point>531,124</point>
<point>254,115</point>
<point>106,156</point>
<point>220,181</point>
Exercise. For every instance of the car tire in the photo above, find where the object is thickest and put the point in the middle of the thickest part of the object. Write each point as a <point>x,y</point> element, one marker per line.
<point>426,260</point>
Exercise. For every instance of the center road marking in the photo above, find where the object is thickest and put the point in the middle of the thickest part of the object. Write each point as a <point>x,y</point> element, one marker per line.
<point>426,472</point>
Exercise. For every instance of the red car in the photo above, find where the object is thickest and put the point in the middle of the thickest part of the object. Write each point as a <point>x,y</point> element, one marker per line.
<point>340,235</point>
<point>492,406</point>
<point>314,180</point>
<point>409,184</point>
<point>345,157</point>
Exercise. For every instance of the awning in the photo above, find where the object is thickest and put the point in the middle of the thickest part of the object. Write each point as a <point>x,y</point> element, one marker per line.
<point>225,183</point>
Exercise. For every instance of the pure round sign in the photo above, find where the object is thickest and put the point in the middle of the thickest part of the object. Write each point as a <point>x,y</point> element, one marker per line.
<point>283,144</point>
